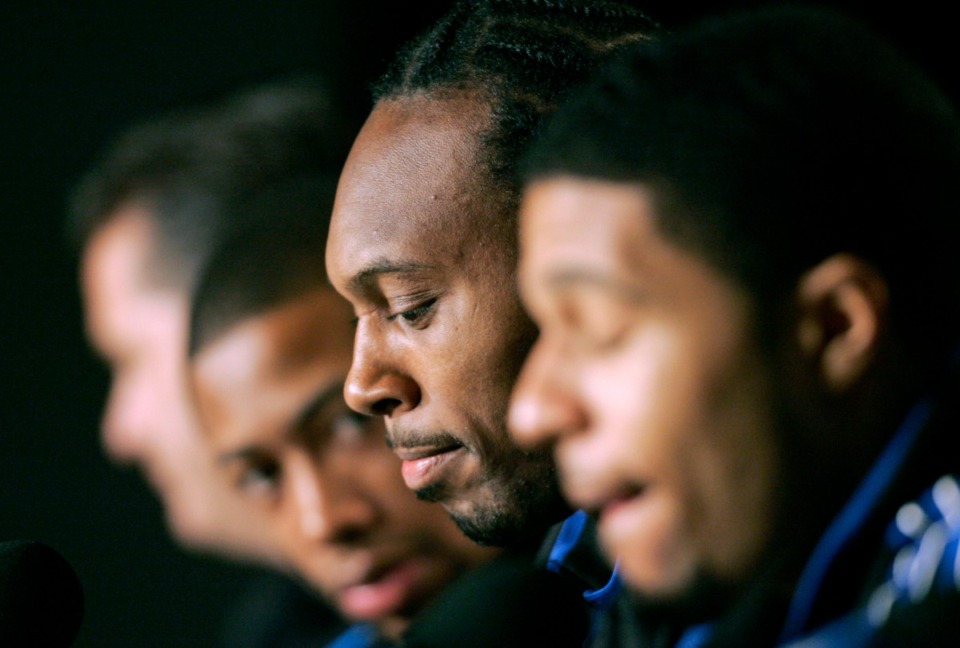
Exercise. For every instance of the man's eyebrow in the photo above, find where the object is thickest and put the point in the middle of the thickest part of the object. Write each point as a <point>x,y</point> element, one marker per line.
<point>240,454</point>
<point>569,277</point>
<point>321,399</point>
<point>369,274</point>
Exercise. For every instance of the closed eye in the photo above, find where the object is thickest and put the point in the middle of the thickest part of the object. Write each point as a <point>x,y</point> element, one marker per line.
<point>259,479</point>
<point>416,315</point>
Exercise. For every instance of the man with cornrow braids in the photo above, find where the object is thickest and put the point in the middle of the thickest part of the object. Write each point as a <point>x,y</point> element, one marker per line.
<point>270,343</point>
<point>423,244</point>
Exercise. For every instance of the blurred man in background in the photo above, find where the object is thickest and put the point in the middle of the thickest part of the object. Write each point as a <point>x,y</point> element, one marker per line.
<point>145,219</point>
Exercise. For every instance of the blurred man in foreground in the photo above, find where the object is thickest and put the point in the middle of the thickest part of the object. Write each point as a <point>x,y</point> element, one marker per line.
<point>739,245</point>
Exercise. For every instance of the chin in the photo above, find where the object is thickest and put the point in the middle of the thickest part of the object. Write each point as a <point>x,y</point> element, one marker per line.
<point>656,584</point>
<point>656,577</point>
<point>498,525</point>
<point>486,532</point>
<point>486,522</point>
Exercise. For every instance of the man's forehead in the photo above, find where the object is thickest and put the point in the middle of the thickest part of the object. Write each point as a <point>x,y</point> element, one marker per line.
<point>116,294</point>
<point>409,162</point>
<point>123,243</point>
<point>411,192</point>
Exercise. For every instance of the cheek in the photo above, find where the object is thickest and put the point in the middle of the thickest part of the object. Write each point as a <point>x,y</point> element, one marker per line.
<point>648,398</point>
<point>284,521</point>
<point>708,446</point>
<point>736,478</point>
<point>317,566</point>
<point>317,562</point>
<point>503,332</point>
<point>645,396</point>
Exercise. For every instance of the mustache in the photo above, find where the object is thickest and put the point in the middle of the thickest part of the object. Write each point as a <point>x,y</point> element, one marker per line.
<point>399,438</point>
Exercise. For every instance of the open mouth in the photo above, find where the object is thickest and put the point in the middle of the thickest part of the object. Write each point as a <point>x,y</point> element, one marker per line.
<point>424,466</point>
<point>624,497</point>
<point>383,592</point>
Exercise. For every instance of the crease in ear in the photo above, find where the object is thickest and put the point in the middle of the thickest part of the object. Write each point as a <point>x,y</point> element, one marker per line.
<point>843,308</point>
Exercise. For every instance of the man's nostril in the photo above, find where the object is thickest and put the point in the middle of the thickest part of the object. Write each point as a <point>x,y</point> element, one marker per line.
<point>384,406</point>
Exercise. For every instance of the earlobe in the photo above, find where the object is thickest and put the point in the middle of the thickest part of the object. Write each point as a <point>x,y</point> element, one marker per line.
<point>843,305</point>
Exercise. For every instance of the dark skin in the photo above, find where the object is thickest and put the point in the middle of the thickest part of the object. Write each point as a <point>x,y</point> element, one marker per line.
<point>422,244</point>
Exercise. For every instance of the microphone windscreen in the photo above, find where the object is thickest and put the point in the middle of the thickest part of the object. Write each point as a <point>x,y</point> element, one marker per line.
<point>41,598</point>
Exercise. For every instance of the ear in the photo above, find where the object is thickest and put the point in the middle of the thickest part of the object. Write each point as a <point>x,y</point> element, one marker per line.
<point>843,306</point>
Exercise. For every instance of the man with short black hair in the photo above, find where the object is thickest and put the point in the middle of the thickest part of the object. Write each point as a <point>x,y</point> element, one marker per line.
<point>740,246</point>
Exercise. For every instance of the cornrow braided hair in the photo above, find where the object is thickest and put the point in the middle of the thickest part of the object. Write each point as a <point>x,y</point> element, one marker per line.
<point>522,56</point>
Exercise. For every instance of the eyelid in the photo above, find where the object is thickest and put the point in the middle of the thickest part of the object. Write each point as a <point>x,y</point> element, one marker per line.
<point>590,326</point>
<point>408,300</point>
<point>259,478</point>
<point>419,307</point>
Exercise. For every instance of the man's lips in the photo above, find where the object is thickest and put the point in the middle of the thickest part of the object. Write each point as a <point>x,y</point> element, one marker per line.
<point>599,500</point>
<point>424,465</point>
<point>613,504</point>
<point>383,592</point>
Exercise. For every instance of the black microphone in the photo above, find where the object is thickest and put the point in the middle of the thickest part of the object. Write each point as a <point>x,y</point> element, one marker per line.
<point>41,598</point>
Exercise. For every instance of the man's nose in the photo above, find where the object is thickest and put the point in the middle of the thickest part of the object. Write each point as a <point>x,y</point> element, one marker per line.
<point>128,419</point>
<point>542,407</point>
<point>378,382</point>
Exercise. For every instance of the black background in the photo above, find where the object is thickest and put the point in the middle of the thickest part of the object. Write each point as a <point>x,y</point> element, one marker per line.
<point>71,75</point>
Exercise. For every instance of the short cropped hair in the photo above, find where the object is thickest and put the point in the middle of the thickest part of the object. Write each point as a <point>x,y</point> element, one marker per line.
<point>274,256</point>
<point>192,169</point>
<point>773,139</point>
